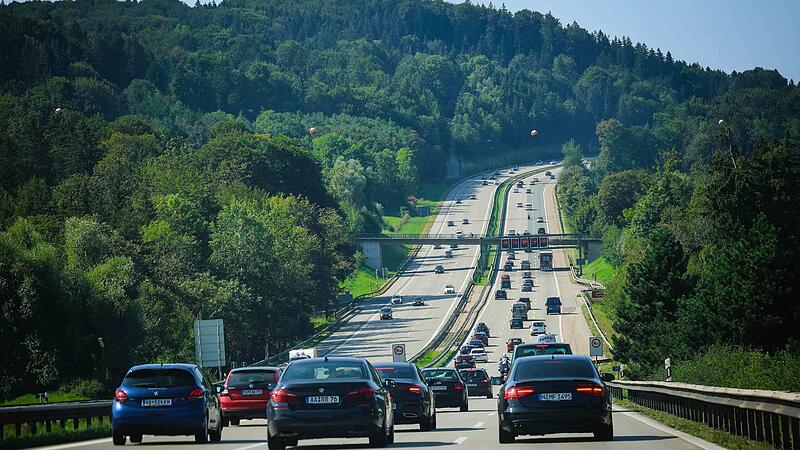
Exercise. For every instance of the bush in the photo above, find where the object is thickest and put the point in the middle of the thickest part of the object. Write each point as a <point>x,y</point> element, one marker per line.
<point>741,368</point>
<point>86,389</point>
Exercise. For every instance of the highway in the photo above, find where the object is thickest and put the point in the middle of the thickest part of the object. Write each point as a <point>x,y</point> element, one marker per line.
<point>365,334</point>
<point>477,429</point>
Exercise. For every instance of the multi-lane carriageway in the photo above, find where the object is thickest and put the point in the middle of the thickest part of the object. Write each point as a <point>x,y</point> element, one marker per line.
<point>477,429</point>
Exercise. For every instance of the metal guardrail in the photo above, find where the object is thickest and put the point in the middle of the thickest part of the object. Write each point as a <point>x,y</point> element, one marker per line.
<point>763,416</point>
<point>53,415</point>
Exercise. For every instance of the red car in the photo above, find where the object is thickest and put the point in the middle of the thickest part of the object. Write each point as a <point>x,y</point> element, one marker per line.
<point>513,342</point>
<point>246,393</point>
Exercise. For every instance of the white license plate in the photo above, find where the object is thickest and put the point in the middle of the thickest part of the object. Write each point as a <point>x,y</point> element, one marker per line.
<point>439,388</point>
<point>556,397</point>
<point>252,391</point>
<point>322,399</point>
<point>155,402</point>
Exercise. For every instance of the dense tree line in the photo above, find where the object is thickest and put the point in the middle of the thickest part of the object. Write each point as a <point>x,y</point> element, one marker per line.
<point>700,218</point>
<point>156,164</point>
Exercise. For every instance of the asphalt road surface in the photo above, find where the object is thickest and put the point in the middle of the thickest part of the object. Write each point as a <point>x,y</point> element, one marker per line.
<point>476,429</point>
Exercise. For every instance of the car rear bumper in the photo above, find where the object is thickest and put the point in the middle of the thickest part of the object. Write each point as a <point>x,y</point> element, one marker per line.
<point>480,390</point>
<point>409,412</point>
<point>325,424</point>
<point>449,400</point>
<point>169,423</point>
<point>556,421</point>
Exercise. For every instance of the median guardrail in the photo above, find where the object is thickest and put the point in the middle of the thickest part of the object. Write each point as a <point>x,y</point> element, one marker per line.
<point>53,415</point>
<point>763,416</point>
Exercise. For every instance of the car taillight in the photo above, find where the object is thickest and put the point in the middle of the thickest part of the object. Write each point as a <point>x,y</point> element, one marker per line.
<point>593,390</point>
<point>414,389</point>
<point>283,396</point>
<point>195,394</point>
<point>459,386</point>
<point>518,392</point>
<point>121,396</point>
<point>363,394</point>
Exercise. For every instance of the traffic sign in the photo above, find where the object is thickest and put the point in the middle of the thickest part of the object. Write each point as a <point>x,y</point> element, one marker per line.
<point>595,346</point>
<point>543,241</point>
<point>514,242</point>
<point>523,242</point>
<point>505,244</point>
<point>534,241</point>
<point>399,352</point>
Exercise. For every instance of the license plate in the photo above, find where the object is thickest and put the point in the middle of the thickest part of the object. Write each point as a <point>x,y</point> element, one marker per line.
<point>556,397</point>
<point>394,406</point>
<point>252,391</point>
<point>439,388</point>
<point>322,399</point>
<point>472,384</point>
<point>155,402</point>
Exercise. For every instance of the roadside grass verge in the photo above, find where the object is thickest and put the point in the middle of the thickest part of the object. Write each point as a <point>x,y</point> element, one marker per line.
<point>696,429</point>
<point>603,315</point>
<point>57,435</point>
<point>427,357</point>
<point>599,270</point>
<point>52,397</point>
<point>362,281</point>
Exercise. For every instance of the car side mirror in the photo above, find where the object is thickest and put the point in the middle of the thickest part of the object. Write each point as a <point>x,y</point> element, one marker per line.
<point>271,386</point>
<point>607,377</point>
<point>389,383</point>
<point>497,381</point>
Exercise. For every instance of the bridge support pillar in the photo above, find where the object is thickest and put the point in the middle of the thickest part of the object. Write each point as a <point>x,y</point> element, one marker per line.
<point>373,256</point>
<point>483,259</point>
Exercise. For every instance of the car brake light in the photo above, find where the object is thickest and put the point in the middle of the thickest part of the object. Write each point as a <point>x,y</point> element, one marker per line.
<point>518,392</point>
<point>283,396</point>
<point>363,394</point>
<point>195,394</point>
<point>590,389</point>
<point>121,396</point>
<point>459,386</point>
<point>414,389</point>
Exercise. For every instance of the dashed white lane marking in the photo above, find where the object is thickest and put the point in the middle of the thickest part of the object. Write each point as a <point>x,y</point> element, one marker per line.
<point>492,413</point>
<point>478,425</point>
<point>77,444</point>
<point>460,440</point>
<point>260,444</point>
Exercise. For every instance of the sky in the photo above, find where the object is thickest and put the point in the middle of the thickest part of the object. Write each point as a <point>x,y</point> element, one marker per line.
<point>721,34</point>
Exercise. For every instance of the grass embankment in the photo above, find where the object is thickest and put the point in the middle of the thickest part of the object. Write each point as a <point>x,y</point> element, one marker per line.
<point>55,396</point>
<point>57,435</point>
<point>599,270</point>
<point>697,429</point>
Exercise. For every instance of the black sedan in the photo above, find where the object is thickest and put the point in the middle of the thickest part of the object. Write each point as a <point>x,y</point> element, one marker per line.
<point>330,398</point>
<point>478,382</point>
<point>554,394</point>
<point>412,398</point>
<point>448,388</point>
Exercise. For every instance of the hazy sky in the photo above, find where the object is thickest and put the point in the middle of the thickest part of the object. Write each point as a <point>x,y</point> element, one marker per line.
<point>721,34</point>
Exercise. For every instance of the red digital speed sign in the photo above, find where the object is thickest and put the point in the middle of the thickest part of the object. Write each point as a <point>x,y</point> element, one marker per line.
<point>505,244</point>
<point>534,242</point>
<point>523,242</point>
<point>543,241</point>
<point>514,242</point>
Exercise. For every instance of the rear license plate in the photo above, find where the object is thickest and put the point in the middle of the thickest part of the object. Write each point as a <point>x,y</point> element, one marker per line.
<point>472,384</point>
<point>322,399</point>
<point>156,402</point>
<point>439,388</point>
<point>556,397</point>
<point>252,391</point>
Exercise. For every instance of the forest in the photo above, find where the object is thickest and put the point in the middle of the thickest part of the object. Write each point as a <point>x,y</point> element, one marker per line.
<point>156,167</point>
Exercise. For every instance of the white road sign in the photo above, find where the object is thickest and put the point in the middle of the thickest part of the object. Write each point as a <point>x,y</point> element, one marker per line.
<point>399,352</point>
<point>209,343</point>
<point>595,346</point>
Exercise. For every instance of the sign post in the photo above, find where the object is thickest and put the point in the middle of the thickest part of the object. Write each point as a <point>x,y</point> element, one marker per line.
<point>595,347</point>
<point>209,343</point>
<point>668,366</point>
<point>398,352</point>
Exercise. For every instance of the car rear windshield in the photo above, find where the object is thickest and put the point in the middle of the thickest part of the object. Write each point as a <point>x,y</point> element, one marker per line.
<point>440,374</point>
<point>159,378</point>
<point>396,372</point>
<point>531,370</point>
<point>542,349</point>
<point>322,370</point>
<point>252,376</point>
<point>474,375</point>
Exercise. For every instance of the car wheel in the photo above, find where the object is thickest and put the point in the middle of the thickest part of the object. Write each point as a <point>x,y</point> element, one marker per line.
<point>433,423</point>
<point>606,433</point>
<point>201,436</point>
<point>489,395</point>
<point>465,407</point>
<point>379,439</point>
<point>390,439</point>
<point>291,442</point>
<point>275,442</point>
<point>216,435</point>
<point>136,438</point>
<point>235,422</point>
<point>426,424</point>
<point>506,437</point>
<point>118,438</point>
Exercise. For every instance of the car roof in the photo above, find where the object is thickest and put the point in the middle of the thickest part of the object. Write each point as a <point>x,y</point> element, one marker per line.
<point>253,368</point>
<point>394,364</point>
<point>183,366</point>
<point>449,369</point>
<point>554,358</point>
<point>329,358</point>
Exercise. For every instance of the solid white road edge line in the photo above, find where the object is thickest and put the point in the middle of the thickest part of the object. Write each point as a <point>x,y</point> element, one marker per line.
<point>77,444</point>
<point>555,276</point>
<point>460,440</point>
<point>478,425</point>
<point>260,444</point>
<point>669,430</point>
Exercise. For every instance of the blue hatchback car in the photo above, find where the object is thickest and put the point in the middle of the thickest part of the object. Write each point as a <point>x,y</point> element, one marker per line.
<point>166,399</point>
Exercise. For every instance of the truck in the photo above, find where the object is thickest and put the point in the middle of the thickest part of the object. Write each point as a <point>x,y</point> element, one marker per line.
<point>302,353</point>
<point>545,260</point>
